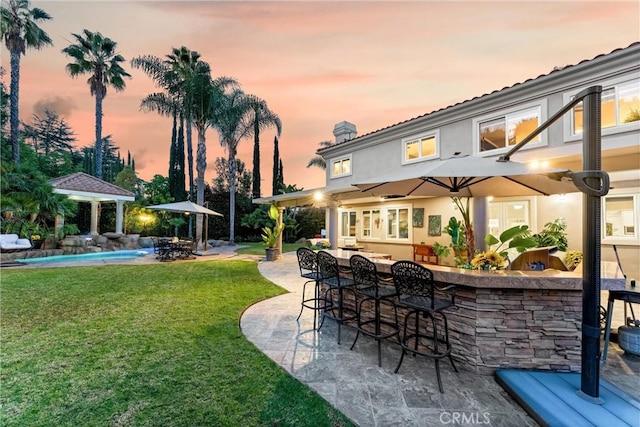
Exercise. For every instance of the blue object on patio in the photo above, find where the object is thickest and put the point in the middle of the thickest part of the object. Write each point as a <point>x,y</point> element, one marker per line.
<point>551,399</point>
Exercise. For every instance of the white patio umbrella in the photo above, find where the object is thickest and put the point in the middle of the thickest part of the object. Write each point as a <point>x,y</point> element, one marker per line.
<point>468,176</point>
<point>187,207</point>
<point>184,207</point>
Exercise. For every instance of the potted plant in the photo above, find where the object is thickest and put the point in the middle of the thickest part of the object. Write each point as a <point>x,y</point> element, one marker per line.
<point>467,226</point>
<point>455,229</point>
<point>495,259</point>
<point>441,250</point>
<point>270,235</point>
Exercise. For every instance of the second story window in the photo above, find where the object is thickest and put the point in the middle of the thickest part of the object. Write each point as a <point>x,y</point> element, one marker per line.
<point>620,105</point>
<point>501,132</point>
<point>418,148</point>
<point>341,167</point>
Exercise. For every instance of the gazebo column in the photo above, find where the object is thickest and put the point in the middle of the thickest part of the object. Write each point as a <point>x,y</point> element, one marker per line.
<point>94,217</point>
<point>119,216</point>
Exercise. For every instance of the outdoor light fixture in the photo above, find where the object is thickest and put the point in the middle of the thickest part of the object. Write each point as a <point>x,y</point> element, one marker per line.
<point>318,196</point>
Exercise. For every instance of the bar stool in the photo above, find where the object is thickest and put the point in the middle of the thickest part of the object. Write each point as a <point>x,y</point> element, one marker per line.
<point>369,286</point>
<point>336,283</point>
<point>417,293</point>
<point>308,264</point>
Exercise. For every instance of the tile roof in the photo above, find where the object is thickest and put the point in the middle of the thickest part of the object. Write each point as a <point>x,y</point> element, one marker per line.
<point>555,70</point>
<point>81,181</point>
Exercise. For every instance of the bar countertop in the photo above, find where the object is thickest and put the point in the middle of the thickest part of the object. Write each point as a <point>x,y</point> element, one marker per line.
<point>496,279</point>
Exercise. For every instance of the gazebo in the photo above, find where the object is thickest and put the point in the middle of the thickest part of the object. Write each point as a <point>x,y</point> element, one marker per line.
<point>86,188</point>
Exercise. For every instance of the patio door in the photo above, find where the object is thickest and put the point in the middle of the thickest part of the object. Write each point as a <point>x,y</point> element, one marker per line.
<point>504,215</point>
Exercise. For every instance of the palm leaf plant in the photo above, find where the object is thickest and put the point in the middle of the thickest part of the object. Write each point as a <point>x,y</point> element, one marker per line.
<point>270,234</point>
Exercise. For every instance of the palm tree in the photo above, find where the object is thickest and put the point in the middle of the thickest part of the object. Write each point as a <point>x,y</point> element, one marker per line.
<point>206,96</point>
<point>19,29</point>
<point>233,119</point>
<point>263,118</point>
<point>318,160</point>
<point>96,55</point>
<point>183,64</point>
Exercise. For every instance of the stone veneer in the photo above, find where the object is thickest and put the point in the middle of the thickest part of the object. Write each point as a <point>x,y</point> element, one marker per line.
<point>509,319</point>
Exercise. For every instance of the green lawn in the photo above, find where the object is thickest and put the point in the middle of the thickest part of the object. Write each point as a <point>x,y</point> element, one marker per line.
<point>257,248</point>
<point>149,345</point>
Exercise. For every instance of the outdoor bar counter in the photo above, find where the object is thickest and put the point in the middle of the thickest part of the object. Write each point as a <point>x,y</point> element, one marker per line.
<point>514,319</point>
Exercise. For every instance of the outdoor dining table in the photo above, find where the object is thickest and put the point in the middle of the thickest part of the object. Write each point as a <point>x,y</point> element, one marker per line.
<point>170,250</point>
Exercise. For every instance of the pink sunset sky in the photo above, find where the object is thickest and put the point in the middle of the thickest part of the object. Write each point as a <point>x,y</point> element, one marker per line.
<point>315,63</point>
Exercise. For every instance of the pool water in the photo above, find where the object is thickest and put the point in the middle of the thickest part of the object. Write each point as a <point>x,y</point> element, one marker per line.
<point>97,256</point>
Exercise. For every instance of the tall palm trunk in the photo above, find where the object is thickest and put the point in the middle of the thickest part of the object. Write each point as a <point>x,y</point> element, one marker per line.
<point>190,156</point>
<point>256,157</point>
<point>201,166</point>
<point>99,97</point>
<point>232,193</point>
<point>190,161</point>
<point>14,120</point>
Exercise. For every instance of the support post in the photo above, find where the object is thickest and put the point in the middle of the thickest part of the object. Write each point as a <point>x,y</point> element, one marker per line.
<point>591,239</point>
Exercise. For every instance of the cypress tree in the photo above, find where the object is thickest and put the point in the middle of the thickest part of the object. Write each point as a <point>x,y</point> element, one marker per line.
<point>281,178</point>
<point>276,168</point>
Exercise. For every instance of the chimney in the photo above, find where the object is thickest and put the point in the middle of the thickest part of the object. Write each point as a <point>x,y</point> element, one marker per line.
<point>344,131</point>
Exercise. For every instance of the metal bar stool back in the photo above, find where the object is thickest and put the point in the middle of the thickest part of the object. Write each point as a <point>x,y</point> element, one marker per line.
<point>417,293</point>
<point>308,264</point>
<point>336,282</point>
<point>370,287</point>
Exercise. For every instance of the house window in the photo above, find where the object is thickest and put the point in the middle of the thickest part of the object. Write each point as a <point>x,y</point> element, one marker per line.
<point>619,105</point>
<point>498,133</point>
<point>621,216</point>
<point>341,167</point>
<point>371,224</point>
<point>398,223</point>
<point>348,224</point>
<point>504,215</point>
<point>418,148</point>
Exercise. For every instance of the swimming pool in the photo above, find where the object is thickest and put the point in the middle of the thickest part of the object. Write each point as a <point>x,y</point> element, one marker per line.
<point>96,256</point>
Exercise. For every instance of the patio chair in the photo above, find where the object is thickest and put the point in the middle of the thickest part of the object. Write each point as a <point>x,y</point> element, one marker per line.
<point>308,264</point>
<point>373,289</point>
<point>163,248</point>
<point>417,293</point>
<point>336,281</point>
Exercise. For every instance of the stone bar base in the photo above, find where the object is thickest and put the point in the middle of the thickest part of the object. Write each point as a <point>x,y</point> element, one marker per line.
<point>509,328</point>
<point>516,328</point>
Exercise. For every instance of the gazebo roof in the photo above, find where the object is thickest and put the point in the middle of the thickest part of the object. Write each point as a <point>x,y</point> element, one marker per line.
<point>82,186</point>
